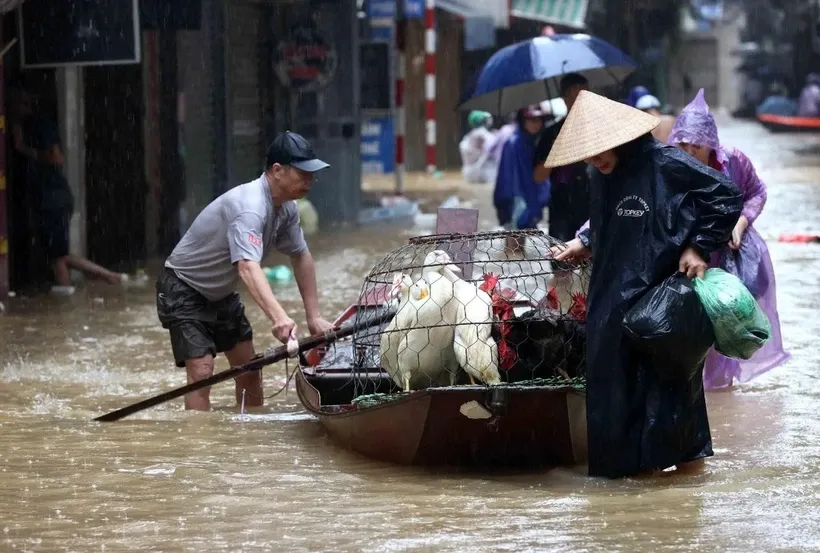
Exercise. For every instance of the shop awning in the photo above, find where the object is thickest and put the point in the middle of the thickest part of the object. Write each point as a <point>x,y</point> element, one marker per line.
<point>496,10</point>
<point>571,13</point>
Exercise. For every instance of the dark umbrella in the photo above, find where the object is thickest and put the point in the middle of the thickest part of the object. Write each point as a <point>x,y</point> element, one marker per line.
<point>529,72</point>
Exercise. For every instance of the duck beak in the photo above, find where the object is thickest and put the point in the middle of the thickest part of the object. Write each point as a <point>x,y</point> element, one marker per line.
<point>423,293</point>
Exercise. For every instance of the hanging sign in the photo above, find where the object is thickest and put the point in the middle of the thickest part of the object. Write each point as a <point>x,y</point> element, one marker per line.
<point>305,60</point>
<point>79,33</point>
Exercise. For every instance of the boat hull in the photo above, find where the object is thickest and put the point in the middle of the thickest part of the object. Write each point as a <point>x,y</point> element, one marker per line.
<point>789,123</point>
<point>528,427</point>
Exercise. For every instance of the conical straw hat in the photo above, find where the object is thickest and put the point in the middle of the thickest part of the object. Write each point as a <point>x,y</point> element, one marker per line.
<point>594,125</point>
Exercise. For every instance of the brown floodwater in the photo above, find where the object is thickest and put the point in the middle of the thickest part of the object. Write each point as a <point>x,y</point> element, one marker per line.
<point>170,480</point>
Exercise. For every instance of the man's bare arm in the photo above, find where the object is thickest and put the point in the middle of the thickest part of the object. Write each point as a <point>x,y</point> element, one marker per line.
<point>254,278</point>
<point>305,272</point>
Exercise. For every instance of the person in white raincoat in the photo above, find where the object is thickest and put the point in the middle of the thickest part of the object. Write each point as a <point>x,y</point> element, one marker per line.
<point>477,164</point>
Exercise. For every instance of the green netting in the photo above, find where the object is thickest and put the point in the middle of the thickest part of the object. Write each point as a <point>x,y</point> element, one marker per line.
<point>578,383</point>
<point>372,400</point>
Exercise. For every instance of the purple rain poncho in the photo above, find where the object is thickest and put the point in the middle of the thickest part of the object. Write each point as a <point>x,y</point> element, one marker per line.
<point>808,105</point>
<point>752,263</point>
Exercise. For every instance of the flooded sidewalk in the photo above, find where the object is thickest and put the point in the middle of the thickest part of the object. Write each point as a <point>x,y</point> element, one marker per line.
<point>174,481</point>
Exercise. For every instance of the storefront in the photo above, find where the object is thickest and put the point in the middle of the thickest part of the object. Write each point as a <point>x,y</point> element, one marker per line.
<point>260,67</point>
<point>314,56</point>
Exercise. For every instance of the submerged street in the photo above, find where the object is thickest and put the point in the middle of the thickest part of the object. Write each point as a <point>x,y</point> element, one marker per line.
<point>170,480</point>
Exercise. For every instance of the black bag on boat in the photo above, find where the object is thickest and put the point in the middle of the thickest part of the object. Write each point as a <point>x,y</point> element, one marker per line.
<point>670,326</point>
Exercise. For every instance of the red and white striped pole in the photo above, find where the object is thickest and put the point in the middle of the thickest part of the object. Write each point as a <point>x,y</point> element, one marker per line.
<point>401,35</point>
<point>430,81</point>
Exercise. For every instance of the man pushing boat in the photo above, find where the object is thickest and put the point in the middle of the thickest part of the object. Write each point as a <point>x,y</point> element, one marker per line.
<point>197,299</point>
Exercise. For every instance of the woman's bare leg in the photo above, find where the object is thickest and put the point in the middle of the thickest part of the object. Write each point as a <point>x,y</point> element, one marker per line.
<point>92,268</point>
<point>61,273</point>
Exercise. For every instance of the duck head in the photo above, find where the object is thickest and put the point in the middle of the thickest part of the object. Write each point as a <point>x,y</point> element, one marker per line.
<point>401,286</point>
<point>438,259</point>
<point>419,290</point>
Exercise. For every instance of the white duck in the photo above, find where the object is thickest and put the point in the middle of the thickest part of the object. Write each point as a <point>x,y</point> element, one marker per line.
<point>442,296</point>
<point>426,353</point>
<point>475,348</point>
<point>391,336</point>
<point>399,290</point>
<point>411,351</point>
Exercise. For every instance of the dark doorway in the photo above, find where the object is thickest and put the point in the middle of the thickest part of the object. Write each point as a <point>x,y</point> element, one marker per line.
<point>115,166</point>
<point>28,266</point>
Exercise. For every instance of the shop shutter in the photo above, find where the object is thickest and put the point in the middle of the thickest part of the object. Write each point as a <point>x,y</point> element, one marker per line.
<point>244,22</point>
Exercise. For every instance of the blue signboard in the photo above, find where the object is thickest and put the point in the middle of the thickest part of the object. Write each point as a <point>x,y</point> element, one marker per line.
<point>413,9</point>
<point>379,33</point>
<point>381,14</point>
<point>377,9</point>
<point>378,145</point>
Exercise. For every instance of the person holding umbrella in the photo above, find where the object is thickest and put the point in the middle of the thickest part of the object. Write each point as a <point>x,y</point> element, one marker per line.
<point>569,186</point>
<point>519,198</point>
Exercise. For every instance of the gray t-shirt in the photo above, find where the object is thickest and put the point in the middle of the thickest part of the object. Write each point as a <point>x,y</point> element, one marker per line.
<point>240,224</point>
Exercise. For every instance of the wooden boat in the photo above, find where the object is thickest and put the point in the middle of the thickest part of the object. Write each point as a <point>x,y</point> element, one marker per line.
<point>789,123</point>
<point>508,425</point>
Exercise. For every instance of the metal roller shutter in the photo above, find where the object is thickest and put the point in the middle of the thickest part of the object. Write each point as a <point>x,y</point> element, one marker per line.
<point>243,63</point>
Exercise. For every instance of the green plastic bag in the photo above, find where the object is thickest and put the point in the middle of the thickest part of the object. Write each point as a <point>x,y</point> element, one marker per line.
<point>741,326</point>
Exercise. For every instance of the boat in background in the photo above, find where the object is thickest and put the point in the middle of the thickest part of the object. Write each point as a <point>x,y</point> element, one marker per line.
<point>789,123</point>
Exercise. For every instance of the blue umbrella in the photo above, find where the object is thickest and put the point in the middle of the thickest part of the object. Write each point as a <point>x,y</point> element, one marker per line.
<point>529,72</point>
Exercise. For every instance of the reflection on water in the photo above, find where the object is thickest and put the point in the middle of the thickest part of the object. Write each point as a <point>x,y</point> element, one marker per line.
<point>167,480</point>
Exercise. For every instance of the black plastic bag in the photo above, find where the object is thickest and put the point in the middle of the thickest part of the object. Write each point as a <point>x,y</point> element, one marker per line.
<point>670,326</point>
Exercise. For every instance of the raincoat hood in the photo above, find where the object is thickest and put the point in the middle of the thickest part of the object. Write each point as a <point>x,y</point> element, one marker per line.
<point>479,119</point>
<point>696,125</point>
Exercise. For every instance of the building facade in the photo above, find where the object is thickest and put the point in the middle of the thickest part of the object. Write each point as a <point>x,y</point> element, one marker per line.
<point>151,140</point>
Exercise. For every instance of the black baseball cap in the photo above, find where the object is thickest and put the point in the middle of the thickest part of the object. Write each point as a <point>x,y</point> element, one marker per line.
<point>290,148</point>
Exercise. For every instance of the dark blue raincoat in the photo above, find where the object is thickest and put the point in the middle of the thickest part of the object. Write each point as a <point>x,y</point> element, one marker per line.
<point>515,180</point>
<point>656,202</point>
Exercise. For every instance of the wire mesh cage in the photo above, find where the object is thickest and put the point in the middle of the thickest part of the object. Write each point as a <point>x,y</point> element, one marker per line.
<point>484,308</point>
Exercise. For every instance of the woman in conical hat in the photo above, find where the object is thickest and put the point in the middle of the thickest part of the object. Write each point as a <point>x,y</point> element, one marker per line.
<point>654,211</point>
<point>746,254</point>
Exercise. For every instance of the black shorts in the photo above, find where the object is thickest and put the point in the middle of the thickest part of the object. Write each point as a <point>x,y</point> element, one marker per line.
<point>199,326</point>
<point>53,233</point>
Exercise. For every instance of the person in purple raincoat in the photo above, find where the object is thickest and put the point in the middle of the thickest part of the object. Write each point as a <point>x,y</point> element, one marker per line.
<point>808,105</point>
<point>746,254</point>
